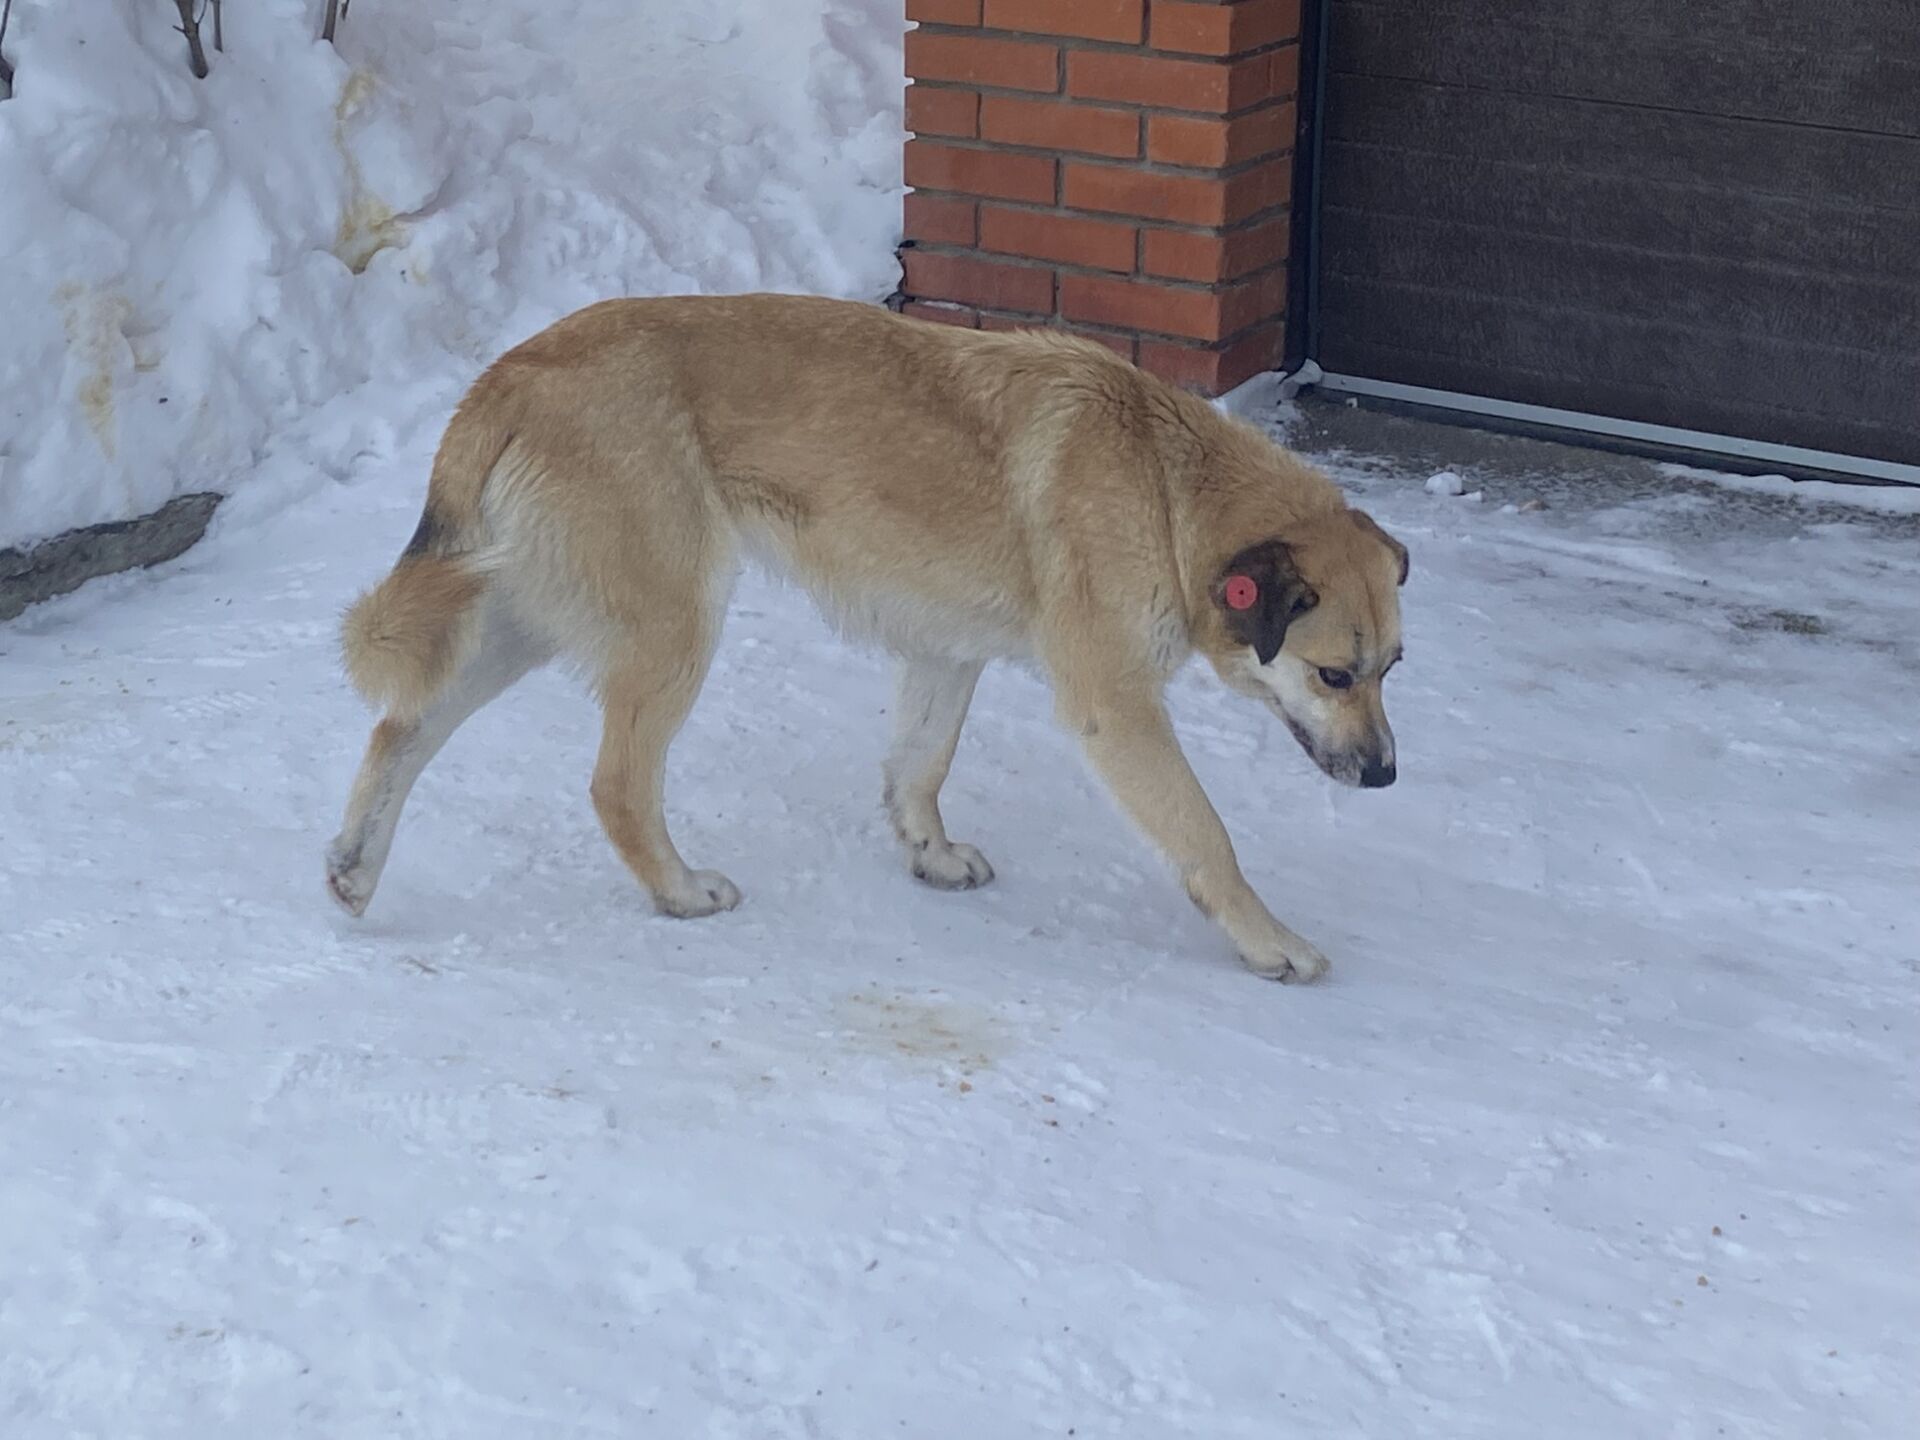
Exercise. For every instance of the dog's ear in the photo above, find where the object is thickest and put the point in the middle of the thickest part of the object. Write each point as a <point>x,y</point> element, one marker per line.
<point>1372,527</point>
<point>1261,593</point>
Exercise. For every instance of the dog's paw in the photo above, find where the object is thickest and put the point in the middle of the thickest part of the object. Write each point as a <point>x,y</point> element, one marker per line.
<point>951,866</point>
<point>1288,959</point>
<point>348,881</point>
<point>706,892</point>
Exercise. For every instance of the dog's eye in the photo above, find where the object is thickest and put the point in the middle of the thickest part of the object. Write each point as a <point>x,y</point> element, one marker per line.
<point>1335,679</point>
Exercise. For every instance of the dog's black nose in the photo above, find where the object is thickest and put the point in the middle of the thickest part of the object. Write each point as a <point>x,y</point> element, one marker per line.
<point>1377,777</point>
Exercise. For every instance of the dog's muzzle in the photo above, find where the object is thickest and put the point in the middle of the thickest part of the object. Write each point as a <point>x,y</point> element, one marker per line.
<point>1377,777</point>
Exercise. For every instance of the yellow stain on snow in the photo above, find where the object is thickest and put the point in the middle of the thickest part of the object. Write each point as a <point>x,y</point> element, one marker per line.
<point>933,1031</point>
<point>96,322</point>
<point>368,224</point>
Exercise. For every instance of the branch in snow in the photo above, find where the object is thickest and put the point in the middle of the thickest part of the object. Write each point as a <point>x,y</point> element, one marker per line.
<point>336,12</point>
<point>6,70</point>
<point>219,30</point>
<point>190,27</point>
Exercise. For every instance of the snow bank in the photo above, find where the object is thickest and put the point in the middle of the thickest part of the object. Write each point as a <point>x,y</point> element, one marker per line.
<point>1886,499</point>
<point>200,272</point>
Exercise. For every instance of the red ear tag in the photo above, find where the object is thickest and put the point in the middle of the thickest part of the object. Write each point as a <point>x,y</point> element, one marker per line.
<point>1241,592</point>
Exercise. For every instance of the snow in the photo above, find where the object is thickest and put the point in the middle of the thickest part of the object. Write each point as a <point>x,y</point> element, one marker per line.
<point>1445,482</point>
<point>205,279</point>
<point>1885,499</point>
<point>1604,1115</point>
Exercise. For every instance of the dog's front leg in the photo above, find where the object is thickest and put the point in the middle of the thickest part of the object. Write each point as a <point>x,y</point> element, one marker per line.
<point>1132,744</point>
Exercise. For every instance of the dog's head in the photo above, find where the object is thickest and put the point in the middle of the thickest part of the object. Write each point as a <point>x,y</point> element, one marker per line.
<point>1311,625</point>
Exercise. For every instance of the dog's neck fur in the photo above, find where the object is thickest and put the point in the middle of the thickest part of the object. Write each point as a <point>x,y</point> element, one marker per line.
<point>1253,491</point>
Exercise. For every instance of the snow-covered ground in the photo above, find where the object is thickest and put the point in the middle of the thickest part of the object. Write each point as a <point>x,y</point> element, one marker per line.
<point>1602,1127</point>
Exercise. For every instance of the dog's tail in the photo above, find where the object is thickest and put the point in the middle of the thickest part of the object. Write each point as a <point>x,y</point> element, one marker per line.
<point>408,636</point>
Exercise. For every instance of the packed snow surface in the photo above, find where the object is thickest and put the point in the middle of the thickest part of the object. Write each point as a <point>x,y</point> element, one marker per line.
<point>1605,1114</point>
<point>1887,499</point>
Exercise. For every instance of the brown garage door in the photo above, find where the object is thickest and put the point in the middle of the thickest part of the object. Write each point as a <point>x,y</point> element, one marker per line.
<point>1696,213</point>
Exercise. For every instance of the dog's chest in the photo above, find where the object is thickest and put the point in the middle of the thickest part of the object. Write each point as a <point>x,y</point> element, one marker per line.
<point>918,625</point>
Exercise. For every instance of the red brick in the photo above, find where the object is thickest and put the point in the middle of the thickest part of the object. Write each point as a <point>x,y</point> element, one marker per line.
<point>1259,187</point>
<point>1141,305</point>
<point>1223,29</point>
<point>1196,314</point>
<point>933,166</point>
<point>1283,77</point>
<point>1178,199</point>
<point>969,280</point>
<point>932,110</point>
<point>1214,370</point>
<point>1213,257</point>
<point>1053,125</point>
<point>939,219</point>
<point>944,12</point>
<point>1067,239</point>
<point>1116,190</point>
<point>981,60</point>
<point>1212,86</point>
<point>961,315</point>
<point>1121,20</point>
<point>1216,144</point>
<point>1259,298</point>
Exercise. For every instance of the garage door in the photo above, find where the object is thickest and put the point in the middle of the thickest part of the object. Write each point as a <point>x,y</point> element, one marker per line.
<point>1694,213</point>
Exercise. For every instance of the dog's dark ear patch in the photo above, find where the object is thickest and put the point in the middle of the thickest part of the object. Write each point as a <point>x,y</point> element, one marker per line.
<point>1368,523</point>
<point>1280,597</point>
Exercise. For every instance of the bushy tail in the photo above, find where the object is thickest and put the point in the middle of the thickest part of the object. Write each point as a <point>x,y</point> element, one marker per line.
<point>408,636</point>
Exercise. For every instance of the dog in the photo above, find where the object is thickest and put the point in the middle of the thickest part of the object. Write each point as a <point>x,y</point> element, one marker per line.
<point>957,496</point>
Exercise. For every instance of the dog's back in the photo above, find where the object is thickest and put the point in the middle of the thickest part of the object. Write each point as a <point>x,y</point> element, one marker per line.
<point>646,445</point>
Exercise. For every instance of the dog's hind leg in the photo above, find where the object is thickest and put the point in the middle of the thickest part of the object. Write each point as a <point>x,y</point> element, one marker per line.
<point>647,694</point>
<point>930,706</point>
<point>401,749</point>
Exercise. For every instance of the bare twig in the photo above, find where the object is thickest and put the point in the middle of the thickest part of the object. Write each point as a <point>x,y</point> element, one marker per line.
<point>6,70</point>
<point>190,27</point>
<point>219,31</point>
<point>333,18</point>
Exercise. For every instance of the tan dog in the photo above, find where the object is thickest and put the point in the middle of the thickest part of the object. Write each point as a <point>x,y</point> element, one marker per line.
<point>954,495</point>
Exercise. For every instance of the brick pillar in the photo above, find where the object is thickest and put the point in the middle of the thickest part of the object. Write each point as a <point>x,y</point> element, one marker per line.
<point>1120,168</point>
